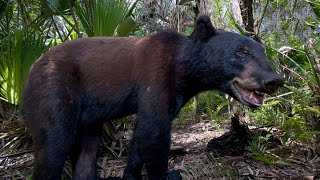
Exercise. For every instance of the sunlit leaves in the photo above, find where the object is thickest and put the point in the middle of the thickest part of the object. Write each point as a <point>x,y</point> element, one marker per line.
<point>106,17</point>
<point>19,52</point>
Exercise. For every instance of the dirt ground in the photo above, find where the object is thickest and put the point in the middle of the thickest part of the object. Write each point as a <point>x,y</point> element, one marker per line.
<point>189,155</point>
<point>191,158</point>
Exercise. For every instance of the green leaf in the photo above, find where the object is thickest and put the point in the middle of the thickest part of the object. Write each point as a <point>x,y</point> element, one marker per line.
<point>85,14</point>
<point>126,27</point>
<point>106,17</point>
<point>22,49</point>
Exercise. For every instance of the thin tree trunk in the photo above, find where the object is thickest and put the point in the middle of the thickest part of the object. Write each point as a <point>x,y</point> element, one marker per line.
<point>201,8</point>
<point>246,8</point>
<point>76,27</point>
<point>247,14</point>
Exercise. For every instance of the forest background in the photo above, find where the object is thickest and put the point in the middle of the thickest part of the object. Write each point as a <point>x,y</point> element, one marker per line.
<point>288,29</point>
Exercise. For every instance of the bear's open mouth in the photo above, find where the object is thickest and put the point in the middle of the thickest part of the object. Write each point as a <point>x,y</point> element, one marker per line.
<point>250,97</point>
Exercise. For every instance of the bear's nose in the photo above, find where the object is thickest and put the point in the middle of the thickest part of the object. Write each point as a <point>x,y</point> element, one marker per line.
<point>272,84</point>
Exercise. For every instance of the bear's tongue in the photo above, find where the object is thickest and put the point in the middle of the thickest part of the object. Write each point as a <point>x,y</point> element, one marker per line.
<point>252,97</point>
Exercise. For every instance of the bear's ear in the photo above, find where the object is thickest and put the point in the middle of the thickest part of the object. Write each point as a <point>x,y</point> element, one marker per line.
<point>203,29</point>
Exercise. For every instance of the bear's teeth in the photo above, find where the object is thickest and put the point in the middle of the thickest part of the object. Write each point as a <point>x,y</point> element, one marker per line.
<point>251,95</point>
<point>258,92</point>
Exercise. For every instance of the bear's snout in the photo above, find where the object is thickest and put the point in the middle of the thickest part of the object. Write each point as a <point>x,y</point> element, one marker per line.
<point>273,83</point>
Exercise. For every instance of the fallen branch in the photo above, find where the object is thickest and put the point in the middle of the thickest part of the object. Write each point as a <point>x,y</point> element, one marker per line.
<point>277,97</point>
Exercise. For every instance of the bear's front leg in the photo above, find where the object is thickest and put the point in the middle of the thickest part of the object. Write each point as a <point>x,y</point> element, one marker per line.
<point>150,146</point>
<point>151,140</point>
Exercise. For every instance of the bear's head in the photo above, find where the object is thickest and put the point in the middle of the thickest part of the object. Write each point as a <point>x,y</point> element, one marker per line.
<point>235,64</point>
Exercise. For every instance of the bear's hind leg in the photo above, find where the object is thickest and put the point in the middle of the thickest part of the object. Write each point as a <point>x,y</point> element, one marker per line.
<point>84,154</point>
<point>52,146</point>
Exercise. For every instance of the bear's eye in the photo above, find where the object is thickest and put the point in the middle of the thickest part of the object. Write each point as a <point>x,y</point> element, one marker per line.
<point>244,53</point>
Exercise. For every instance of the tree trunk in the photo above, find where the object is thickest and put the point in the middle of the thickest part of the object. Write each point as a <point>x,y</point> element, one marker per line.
<point>202,7</point>
<point>247,14</point>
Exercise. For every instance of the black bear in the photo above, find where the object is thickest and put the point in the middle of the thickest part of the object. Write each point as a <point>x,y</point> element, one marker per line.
<point>78,85</point>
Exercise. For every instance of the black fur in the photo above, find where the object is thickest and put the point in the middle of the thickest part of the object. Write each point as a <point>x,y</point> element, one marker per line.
<point>78,85</point>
